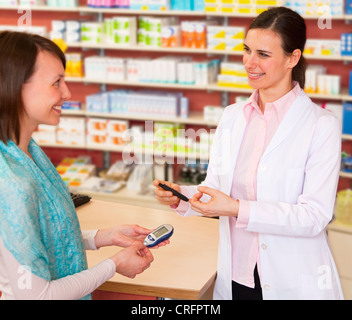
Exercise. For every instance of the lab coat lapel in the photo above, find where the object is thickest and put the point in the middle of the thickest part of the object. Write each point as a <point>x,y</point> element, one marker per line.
<point>236,133</point>
<point>293,116</point>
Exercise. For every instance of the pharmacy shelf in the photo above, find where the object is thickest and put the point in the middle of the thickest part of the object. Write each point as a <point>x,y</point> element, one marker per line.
<point>131,150</point>
<point>195,118</point>
<point>211,87</point>
<point>85,9</point>
<point>138,84</point>
<point>345,175</point>
<point>107,46</point>
<point>346,137</point>
<point>40,8</point>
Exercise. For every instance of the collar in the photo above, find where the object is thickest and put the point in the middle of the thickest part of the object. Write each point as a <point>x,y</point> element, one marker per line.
<point>280,106</point>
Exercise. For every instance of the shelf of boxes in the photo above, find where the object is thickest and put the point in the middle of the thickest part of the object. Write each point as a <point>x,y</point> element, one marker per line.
<point>85,9</point>
<point>195,118</point>
<point>211,87</point>
<point>106,46</point>
<point>130,149</point>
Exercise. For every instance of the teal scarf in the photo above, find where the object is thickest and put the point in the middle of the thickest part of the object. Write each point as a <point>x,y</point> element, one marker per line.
<point>38,221</point>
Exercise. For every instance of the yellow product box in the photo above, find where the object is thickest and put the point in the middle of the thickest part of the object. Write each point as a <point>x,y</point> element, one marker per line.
<point>331,47</point>
<point>233,81</point>
<point>217,44</point>
<point>260,9</point>
<point>313,47</point>
<point>235,45</point>
<point>216,32</point>
<point>228,8</point>
<point>245,1</point>
<point>74,65</point>
<point>269,3</point>
<point>235,32</point>
<point>228,2</point>
<point>212,7</point>
<point>246,9</point>
<point>233,68</point>
<point>225,80</point>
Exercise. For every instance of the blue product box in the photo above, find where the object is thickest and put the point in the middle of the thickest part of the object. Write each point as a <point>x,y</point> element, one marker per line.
<point>346,44</point>
<point>348,6</point>
<point>350,85</point>
<point>347,118</point>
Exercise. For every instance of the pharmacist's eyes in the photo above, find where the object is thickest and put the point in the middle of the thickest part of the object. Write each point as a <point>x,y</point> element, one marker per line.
<point>263,55</point>
<point>246,49</point>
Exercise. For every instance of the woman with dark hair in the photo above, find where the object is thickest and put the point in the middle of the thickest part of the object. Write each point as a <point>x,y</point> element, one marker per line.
<point>272,177</point>
<point>42,249</point>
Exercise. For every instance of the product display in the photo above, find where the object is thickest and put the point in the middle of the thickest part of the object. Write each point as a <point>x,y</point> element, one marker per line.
<point>94,120</point>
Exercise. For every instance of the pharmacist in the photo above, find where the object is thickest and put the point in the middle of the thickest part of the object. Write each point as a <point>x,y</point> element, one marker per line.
<point>42,251</point>
<point>272,176</point>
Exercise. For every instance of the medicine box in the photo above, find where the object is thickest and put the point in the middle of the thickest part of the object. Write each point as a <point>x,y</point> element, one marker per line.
<point>346,44</point>
<point>347,118</point>
<point>348,6</point>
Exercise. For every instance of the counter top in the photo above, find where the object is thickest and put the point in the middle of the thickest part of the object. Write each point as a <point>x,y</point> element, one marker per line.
<point>185,269</point>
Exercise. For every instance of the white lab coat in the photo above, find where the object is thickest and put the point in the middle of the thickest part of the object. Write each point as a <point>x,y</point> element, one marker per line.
<point>296,188</point>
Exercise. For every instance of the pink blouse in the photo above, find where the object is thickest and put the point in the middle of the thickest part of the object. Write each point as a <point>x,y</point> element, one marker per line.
<point>259,131</point>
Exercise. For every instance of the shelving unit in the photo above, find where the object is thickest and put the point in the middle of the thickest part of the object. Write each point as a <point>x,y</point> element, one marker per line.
<point>195,117</point>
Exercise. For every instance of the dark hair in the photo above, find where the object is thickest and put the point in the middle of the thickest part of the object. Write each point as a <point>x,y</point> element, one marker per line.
<point>290,26</point>
<point>18,55</point>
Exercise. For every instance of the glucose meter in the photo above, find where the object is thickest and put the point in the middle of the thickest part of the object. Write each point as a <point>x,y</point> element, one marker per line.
<point>160,234</point>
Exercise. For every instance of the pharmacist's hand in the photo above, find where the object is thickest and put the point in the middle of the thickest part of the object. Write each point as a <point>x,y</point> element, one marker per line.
<point>166,197</point>
<point>133,260</point>
<point>220,203</point>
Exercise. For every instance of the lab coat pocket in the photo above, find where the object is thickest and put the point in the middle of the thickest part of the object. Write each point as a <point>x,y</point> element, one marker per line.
<point>293,184</point>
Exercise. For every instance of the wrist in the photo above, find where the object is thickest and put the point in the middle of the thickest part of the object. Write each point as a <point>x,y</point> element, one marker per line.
<point>103,238</point>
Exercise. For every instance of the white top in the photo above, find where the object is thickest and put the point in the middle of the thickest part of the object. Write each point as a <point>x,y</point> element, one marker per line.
<point>17,283</point>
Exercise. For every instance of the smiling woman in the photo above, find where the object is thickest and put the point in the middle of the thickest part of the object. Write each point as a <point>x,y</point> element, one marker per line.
<point>272,175</point>
<point>39,228</point>
<point>19,62</point>
<point>43,95</point>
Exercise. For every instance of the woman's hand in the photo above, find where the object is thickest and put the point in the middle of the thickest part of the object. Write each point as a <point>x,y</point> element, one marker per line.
<point>123,236</point>
<point>166,197</point>
<point>220,204</point>
<point>133,260</point>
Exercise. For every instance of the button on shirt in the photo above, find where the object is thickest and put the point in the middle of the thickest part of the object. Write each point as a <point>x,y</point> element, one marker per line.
<point>259,131</point>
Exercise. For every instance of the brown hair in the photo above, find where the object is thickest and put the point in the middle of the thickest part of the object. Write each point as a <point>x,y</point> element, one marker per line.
<point>18,54</point>
<point>290,26</point>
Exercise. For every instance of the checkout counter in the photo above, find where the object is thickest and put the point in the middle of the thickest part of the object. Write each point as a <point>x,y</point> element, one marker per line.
<point>184,269</point>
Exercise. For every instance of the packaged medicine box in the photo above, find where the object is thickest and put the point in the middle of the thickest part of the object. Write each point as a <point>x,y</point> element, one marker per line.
<point>347,118</point>
<point>348,6</point>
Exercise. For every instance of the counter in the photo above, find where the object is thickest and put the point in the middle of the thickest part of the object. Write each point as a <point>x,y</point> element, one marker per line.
<point>185,269</point>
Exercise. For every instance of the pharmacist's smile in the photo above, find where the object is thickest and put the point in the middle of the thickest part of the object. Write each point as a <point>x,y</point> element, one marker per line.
<point>255,76</point>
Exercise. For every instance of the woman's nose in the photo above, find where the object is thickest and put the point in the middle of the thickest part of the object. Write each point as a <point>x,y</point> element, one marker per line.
<point>66,94</point>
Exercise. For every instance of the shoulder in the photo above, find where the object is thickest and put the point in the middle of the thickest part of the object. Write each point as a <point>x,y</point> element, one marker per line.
<point>231,112</point>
